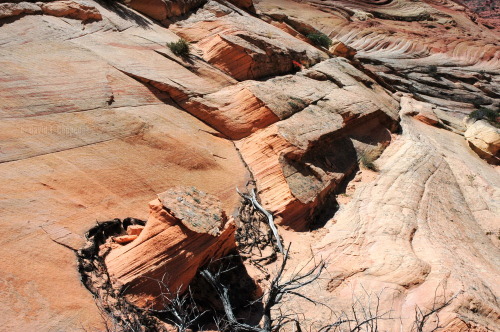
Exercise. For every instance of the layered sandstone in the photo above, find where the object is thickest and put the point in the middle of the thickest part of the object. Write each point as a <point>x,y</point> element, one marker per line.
<point>429,48</point>
<point>185,230</point>
<point>242,45</point>
<point>70,9</point>
<point>404,235</point>
<point>83,138</point>
<point>99,115</point>
<point>300,160</point>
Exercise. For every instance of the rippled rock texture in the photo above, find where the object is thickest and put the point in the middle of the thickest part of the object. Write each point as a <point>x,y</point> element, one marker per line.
<point>99,115</point>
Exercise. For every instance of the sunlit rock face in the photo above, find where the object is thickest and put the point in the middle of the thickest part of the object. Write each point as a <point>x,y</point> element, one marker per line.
<point>99,115</point>
<point>433,49</point>
<point>186,229</point>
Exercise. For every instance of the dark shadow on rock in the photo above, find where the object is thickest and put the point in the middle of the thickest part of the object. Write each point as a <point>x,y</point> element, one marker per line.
<point>243,291</point>
<point>124,12</point>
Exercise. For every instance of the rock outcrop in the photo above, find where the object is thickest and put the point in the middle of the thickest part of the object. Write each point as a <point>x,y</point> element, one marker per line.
<point>64,8</point>
<point>242,45</point>
<point>165,10</point>
<point>185,230</point>
<point>407,243</point>
<point>8,10</point>
<point>338,48</point>
<point>71,9</point>
<point>484,138</point>
<point>98,115</point>
<point>298,161</point>
<point>432,49</point>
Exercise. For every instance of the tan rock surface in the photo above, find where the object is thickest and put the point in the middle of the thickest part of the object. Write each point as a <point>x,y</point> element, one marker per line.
<point>15,9</point>
<point>81,141</point>
<point>338,48</point>
<point>243,46</point>
<point>430,48</point>
<point>124,239</point>
<point>134,229</point>
<point>163,10</point>
<point>431,233</point>
<point>293,161</point>
<point>71,9</point>
<point>485,138</point>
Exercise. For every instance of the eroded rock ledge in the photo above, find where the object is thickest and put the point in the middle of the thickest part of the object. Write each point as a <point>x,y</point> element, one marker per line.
<point>185,230</point>
<point>64,8</point>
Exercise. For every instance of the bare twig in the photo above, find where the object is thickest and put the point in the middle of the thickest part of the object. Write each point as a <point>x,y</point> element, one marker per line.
<point>252,198</point>
<point>273,320</point>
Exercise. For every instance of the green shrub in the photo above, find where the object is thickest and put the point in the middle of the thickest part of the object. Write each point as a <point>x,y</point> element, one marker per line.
<point>320,39</point>
<point>180,47</point>
<point>485,114</point>
<point>433,71</point>
<point>367,161</point>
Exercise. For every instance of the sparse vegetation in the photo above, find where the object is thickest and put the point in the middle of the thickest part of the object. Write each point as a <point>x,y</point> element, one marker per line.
<point>433,71</point>
<point>486,114</point>
<point>320,39</point>
<point>180,47</point>
<point>367,161</point>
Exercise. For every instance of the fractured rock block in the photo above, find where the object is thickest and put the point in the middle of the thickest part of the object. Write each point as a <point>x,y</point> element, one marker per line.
<point>134,229</point>
<point>185,230</point>
<point>71,9</point>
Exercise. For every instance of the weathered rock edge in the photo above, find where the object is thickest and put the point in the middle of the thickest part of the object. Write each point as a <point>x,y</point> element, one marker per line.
<point>94,276</point>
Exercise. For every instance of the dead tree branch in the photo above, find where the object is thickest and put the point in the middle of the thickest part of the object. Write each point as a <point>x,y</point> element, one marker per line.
<point>270,220</point>
<point>422,318</point>
<point>363,316</point>
<point>180,309</point>
<point>274,319</point>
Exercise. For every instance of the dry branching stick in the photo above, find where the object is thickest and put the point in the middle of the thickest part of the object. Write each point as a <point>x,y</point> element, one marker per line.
<point>181,308</point>
<point>278,289</point>
<point>252,198</point>
<point>422,318</point>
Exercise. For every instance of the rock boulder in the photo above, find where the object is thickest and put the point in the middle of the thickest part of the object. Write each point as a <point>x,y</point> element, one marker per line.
<point>185,230</point>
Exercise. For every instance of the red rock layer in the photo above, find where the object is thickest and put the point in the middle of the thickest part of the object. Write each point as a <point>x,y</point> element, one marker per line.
<point>243,46</point>
<point>168,253</point>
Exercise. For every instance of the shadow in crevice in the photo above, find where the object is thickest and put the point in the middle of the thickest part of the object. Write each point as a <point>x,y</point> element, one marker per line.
<point>125,12</point>
<point>242,290</point>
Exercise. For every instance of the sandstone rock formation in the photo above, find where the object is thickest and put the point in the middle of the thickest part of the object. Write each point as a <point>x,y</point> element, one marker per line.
<point>431,49</point>
<point>99,115</point>
<point>485,139</point>
<point>338,48</point>
<point>70,9</point>
<point>295,162</point>
<point>164,10</point>
<point>90,141</point>
<point>16,9</point>
<point>243,46</point>
<point>407,242</point>
<point>185,230</point>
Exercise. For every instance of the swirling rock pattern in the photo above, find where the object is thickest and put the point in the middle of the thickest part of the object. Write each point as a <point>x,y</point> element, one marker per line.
<point>99,115</point>
<point>433,49</point>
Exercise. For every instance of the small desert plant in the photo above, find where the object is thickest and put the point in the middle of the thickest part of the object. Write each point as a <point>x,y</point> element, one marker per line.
<point>367,161</point>
<point>320,39</point>
<point>485,114</point>
<point>433,71</point>
<point>180,47</point>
